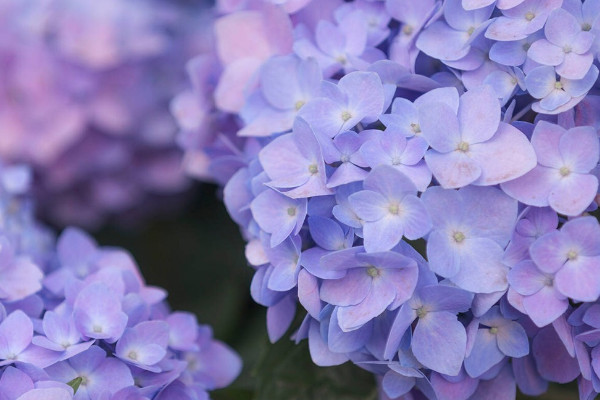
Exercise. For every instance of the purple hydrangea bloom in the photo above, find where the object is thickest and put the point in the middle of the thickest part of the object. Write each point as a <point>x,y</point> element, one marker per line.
<point>463,104</point>
<point>562,177</point>
<point>467,148</point>
<point>389,209</point>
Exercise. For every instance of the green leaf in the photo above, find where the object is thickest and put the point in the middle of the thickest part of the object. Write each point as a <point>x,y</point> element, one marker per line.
<point>75,383</point>
<point>286,371</point>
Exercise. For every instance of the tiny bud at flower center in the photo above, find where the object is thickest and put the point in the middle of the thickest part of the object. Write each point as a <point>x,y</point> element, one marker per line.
<point>572,255</point>
<point>567,49</point>
<point>463,146</point>
<point>313,169</point>
<point>421,312</point>
<point>299,104</point>
<point>529,16</point>
<point>407,29</point>
<point>558,85</point>
<point>291,211</point>
<point>458,237</point>
<point>471,30</point>
<point>564,171</point>
<point>344,158</point>
<point>416,128</point>
<point>493,330</point>
<point>586,27</point>
<point>97,329</point>
<point>372,272</point>
<point>549,281</point>
<point>341,59</point>
<point>394,209</point>
<point>346,116</point>
<point>132,355</point>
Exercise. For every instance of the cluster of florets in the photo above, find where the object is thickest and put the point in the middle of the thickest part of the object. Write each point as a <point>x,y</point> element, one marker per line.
<point>84,99</point>
<point>78,321</point>
<point>349,135</point>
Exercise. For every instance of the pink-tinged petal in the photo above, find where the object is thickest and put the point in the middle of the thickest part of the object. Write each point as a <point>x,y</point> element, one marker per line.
<point>365,94</point>
<point>587,232</point>
<point>580,279</point>
<point>545,306</point>
<point>452,47</point>
<point>229,93</point>
<point>241,35</point>
<point>508,4</point>
<point>447,95</point>
<point>308,293</point>
<point>475,4</point>
<point>583,41</point>
<point>546,53</point>
<point>279,318</point>
<point>419,174</point>
<point>479,114</point>
<point>442,256</point>
<point>561,27</point>
<point>549,251</point>
<point>439,342</point>
<point>546,142</point>
<point>349,290</point>
<point>369,205</point>
<point>404,281</point>
<point>319,351</point>
<point>507,29</point>
<point>580,87</point>
<point>16,332</point>
<point>384,234</point>
<point>482,270</point>
<point>526,279</point>
<point>508,155</point>
<point>540,81</point>
<point>454,169</point>
<point>580,149</point>
<point>575,66</point>
<point>555,100</point>
<point>416,222</point>
<point>329,38</point>
<point>379,298</point>
<point>572,194</point>
<point>440,126</point>
<point>21,279</point>
<point>533,188</point>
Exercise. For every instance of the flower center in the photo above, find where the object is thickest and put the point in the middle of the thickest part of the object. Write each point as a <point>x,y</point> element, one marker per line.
<point>529,16</point>
<point>372,272</point>
<point>346,116</point>
<point>394,209</point>
<point>572,255</point>
<point>526,46</point>
<point>421,312</point>
<point>458,237</point>
<point>97,328</point>
<point>470,30</point>
<point>313,169</point>
<point>132,355</point>
<point>344,158</point>
<point>291,211</point>
<point>549,281</point>
<point>463,147</point>
<point>416,128</point>
<point>567,49</point>
<point>586,27</point>
<point>407,29</point>
<point>493,330</point>
<point>558,85</point>
<point>299,104</point>
<point>564,171</point>
<point>341,59</point>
